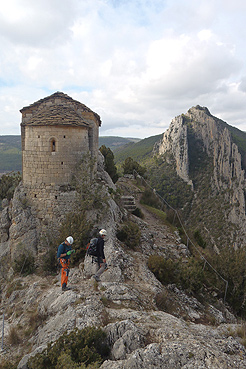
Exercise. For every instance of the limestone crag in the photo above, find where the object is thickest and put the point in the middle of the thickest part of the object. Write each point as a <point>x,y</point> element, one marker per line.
<point>199,127</point>
<point>175,140</point>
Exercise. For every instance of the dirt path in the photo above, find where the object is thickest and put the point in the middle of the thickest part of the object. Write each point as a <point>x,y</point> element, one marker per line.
<point>162,233</point>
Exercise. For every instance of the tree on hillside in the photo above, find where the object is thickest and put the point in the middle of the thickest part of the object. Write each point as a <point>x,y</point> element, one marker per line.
<point>109,162</point>
<point>130,165</point>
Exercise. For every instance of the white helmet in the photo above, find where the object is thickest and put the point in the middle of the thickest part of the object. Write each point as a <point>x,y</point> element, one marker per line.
<point>103,232</point>
<point>69,240</point>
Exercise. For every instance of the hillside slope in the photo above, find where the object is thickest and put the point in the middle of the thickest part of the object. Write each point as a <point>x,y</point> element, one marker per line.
<point>10,153</point>
<point>124,303</point>
<point>140,151</point>
<point>114,142</point>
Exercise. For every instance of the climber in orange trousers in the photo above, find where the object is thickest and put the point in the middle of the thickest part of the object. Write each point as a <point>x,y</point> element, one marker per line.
<point>63,254</point>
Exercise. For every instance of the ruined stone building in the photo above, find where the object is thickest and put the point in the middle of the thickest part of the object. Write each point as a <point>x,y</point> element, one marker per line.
<point>56,133</point>
<point>59,137</point>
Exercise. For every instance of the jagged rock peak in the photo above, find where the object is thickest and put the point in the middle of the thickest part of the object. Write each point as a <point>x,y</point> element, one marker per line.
<point>200,108</point>
<point>198,139</point>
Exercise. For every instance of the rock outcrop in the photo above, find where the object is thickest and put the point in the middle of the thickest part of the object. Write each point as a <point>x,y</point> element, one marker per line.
<point>124,304</point>
<point>197,135</point>
<point>25,222</point>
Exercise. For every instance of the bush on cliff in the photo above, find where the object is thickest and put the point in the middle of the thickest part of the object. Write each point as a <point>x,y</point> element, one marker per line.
<point>80,348</point>
<point>130,234</point>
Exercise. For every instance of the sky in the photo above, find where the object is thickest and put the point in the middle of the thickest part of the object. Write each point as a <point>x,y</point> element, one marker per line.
<point>137,63</point>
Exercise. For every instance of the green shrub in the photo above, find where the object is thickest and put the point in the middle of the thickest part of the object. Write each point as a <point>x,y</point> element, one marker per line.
<point>199,239</point>
<point>65,362</point>
<point>109,162</point>
<point>172,218</point>
<point>130,165</point>
<point>163,269</point>
<point>129,234</point>
<point>149,198</point>
<point>193,275</point>
<point>189,276</point>
<point>86,346</point>
<point>231,264</point>
<point>138,212</point>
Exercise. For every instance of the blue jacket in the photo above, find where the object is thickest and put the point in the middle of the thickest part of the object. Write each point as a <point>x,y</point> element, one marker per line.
<point>62,249</point>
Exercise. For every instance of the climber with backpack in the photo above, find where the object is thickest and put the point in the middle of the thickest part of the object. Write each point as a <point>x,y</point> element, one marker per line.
<point>63,255</point>
<point>96,251</point>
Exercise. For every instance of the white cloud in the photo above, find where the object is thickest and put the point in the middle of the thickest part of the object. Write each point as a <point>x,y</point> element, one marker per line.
<point>36,23</point>
<point>136,63</point>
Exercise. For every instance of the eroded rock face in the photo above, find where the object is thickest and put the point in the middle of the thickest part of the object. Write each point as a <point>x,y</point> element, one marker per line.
<point>175,140</point>
<point>5,222</point>
<point>138,338</point>
<point>124,305</point>
<point>215,140</point>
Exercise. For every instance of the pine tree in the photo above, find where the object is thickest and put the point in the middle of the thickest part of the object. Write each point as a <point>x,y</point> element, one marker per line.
<point>109,162</point>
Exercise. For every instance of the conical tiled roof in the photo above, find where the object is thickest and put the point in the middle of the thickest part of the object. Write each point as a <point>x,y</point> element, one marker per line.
<point>57,115</point>
<point>58,109</point>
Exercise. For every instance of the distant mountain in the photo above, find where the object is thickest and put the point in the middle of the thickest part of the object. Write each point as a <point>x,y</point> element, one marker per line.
<point>10,153</point>
<point>10,149</point>
<point>200,170</point>
<point>139,151</point>
<point>114,142</point>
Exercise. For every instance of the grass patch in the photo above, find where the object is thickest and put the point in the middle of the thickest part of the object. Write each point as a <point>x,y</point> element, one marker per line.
<point>241,332</point>
<point>159,213</point>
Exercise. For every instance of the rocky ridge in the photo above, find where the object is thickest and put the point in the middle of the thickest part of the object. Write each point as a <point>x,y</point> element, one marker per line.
<point>212,137</point>
<point>124,304</point>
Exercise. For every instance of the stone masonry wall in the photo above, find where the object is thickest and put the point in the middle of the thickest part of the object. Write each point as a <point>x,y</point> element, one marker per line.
<point>50,153</point>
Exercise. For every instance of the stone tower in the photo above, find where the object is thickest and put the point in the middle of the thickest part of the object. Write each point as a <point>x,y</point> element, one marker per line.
<point>56,131</point>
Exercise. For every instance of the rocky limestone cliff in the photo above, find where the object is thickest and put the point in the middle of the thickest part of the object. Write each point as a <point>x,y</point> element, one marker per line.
<point>199,136</point>
<point>175,141</point>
